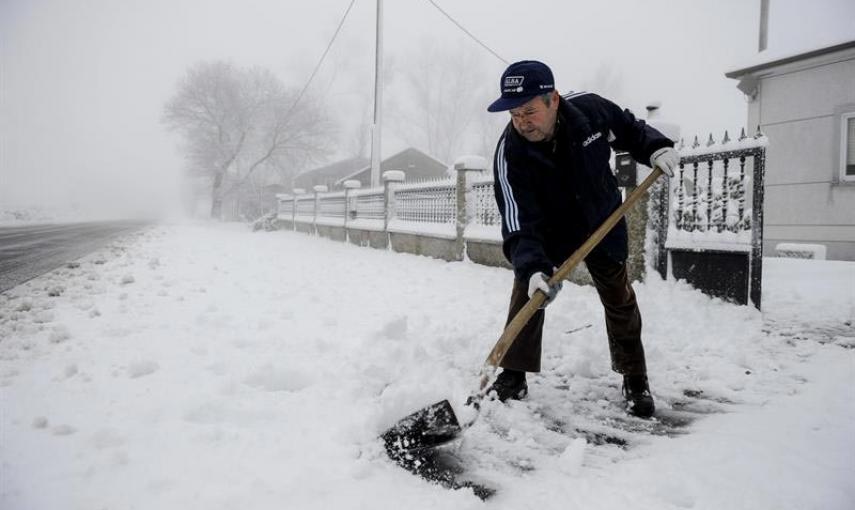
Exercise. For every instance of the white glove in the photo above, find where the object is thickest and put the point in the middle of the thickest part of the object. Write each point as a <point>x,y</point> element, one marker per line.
<point>666,158</point>
<point>539,281</point>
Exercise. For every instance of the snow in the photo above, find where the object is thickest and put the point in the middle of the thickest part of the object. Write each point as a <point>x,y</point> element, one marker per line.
<point>438,230</point>
<point>789,50</point>
<point>801,250</point>
<point>329,221</point>
<point>366,224</point>
<point>442,182</point>
<point>205,366</point>
<point>749,142</point>
<point>709,240</point>
<point>484,233</point>
<point>394,175</point>
<point>471,162</point>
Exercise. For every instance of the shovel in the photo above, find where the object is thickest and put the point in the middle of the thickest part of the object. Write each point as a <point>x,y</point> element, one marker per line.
<point>437,424</point>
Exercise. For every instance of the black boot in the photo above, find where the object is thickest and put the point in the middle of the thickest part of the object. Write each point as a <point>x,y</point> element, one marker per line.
<point>510,384</point>
<point>636,391</point>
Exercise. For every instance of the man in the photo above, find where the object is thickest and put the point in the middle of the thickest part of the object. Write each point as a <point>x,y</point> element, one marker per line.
<point>554,187</point>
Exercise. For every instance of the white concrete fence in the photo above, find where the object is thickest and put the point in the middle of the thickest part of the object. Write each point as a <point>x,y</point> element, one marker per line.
<point>451,218</point>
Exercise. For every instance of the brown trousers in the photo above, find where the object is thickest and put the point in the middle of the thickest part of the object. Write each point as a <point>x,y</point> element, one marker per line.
<point>623,321</point>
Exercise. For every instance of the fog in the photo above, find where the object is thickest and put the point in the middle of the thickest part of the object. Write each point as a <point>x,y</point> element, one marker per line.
<point>83,84</point>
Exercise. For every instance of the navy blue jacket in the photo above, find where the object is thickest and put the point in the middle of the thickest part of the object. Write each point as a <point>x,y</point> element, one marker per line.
<point>553,195</point>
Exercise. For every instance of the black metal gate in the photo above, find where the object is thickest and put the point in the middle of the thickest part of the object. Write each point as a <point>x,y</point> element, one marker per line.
<point>709,219</point>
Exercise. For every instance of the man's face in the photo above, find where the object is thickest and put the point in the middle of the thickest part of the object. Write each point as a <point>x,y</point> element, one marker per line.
<point>534,120</point>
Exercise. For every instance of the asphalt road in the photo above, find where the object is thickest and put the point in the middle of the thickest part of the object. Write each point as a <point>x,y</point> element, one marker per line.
<point>30,251</point>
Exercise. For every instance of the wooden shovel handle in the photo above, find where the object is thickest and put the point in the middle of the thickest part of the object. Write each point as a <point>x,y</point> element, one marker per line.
<point>522,317</point>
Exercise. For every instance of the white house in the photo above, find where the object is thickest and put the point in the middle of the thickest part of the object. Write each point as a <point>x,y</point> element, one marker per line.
<point>804,101</point>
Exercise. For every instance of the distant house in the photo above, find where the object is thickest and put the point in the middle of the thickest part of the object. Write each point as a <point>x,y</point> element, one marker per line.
<point>415,164</point>
<point>804,101</point>
<point>329,174</point>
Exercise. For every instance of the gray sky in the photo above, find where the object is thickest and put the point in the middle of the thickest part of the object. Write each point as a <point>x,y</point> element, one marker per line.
<point>82,84</point>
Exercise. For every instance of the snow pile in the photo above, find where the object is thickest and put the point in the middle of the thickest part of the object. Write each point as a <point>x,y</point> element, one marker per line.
<point>210,367</point>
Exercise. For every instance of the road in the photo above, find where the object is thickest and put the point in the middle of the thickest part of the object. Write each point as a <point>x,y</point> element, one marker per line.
<point>32,250</point>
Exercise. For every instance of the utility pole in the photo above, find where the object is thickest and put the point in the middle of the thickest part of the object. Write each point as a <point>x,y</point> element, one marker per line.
<point>764,25</point>
<point>378,98</point>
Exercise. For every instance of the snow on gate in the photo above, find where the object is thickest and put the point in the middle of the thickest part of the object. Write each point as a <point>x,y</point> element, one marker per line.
<point>708,218</point>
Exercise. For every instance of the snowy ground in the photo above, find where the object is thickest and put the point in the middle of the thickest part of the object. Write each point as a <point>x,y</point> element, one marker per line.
<point>205,366</point>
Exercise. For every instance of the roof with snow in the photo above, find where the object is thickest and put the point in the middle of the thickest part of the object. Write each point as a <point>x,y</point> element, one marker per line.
<point>328,174</point>
<point>415,164</point>
<point>769,59</point>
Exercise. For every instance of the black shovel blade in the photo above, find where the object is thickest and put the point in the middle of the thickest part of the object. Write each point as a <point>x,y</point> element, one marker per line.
<point>426,428</point>
<point>412,443</point>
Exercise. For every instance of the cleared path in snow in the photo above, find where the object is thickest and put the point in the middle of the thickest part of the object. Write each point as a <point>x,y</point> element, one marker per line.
<point>30,251</point>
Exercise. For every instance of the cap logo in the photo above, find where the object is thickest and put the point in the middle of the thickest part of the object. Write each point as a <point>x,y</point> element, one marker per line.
<point>513,83</point>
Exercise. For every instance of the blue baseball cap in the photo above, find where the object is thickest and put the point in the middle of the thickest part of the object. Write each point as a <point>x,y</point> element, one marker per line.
<point>522,81</point>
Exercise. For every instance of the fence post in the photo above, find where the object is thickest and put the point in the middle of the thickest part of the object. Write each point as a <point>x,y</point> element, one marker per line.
<point>297,192</point>
<point>465,202</point>
<point>661,197</point>
<point>759,178</point>
<point>391,179</point>
<point>349,186</point>
<point>281,198</point>
<point>320,188</point>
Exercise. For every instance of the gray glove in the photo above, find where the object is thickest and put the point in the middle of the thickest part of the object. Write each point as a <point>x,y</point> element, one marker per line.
<point>666,158</point>
<point>539,281</point>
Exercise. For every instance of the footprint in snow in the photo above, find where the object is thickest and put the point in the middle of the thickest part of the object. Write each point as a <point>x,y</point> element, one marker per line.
<point>270,378</point>
<point>395,329</point>
<point>59,334</point>
<point>63,430</point>
<point>70,371</point>
<point>141,369</point>
<point>25,305</point>
<point>107,438</point>
<point>43,317</point>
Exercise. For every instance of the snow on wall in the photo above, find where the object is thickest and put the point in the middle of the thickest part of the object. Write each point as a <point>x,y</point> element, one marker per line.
<point>366,224</point>
<point>483,233</point>
<point>711,195</point>
<point>440,230</point>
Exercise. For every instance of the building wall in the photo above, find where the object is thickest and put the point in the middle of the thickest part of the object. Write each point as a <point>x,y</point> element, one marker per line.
<point>799,107</point>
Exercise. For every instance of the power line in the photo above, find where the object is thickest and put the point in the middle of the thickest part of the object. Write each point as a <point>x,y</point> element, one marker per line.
<point>461,27</point>
<point>321,61</point>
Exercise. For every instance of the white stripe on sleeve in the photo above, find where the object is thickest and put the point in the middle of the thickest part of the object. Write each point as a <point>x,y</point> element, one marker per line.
<point>571,95</point>
<point>512,220</point>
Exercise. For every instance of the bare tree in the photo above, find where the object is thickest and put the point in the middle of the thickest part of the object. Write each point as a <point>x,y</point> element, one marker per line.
<point>238,123</point>
<point>446,90</point>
